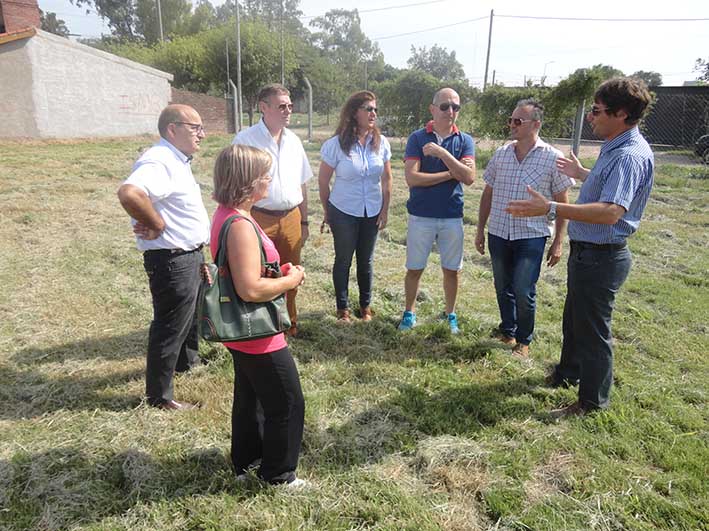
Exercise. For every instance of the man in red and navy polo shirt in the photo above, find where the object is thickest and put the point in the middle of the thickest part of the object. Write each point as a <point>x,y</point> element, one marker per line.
<point>439,159</point>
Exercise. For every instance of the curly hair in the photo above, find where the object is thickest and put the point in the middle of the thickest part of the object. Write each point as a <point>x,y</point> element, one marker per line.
<point>236,171</point>
<point>627,94</point>
<point>347,126</point>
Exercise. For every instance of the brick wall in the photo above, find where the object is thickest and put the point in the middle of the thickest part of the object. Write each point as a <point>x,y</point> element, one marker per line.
<point>19,14</point>
<point>214,111</point>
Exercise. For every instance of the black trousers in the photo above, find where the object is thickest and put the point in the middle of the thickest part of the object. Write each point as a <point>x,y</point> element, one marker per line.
<point>595,274</point>
<point>273,431</point>
<point>172,340</point>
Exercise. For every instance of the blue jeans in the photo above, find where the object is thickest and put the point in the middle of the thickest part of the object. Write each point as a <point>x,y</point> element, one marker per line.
<point>352,234</point>
<point>595,274</point>
<point>515,266</point>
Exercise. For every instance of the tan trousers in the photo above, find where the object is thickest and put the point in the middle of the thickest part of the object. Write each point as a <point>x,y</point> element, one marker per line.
<point>286,235</point>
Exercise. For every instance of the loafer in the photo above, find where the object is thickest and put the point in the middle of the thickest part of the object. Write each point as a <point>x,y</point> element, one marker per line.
<point>520,350</point>
<point>174,405</point>
<point>343,316</point>
<point>504,338</point>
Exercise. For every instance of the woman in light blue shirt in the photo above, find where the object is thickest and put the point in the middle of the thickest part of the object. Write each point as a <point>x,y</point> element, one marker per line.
<point>357,206</point>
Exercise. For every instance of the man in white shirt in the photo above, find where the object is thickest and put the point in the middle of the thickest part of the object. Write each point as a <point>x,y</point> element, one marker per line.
<point>171,226</point>
<point>283,215</point>
<point>517,244</point>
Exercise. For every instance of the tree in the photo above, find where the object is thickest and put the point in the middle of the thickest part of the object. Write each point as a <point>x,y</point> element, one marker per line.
<point>407,99</point>
<point>437,61</point>
<point>52,24</point>
<point>652,79</point>
<point>702,67</point>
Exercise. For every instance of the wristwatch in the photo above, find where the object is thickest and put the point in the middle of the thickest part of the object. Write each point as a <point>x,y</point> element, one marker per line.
<point>551,213</point>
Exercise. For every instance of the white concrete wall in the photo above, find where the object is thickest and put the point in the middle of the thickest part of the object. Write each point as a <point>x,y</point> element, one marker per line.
<point>16,104</point>
<point>78,91</point>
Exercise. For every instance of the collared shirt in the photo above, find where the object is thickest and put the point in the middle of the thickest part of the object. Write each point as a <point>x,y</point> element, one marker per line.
<point>290,168</point>
<point>509,179</point>
<point>442,200</point>
<point>164,173</point>
<point>357,190</point>
<point>622,175</point>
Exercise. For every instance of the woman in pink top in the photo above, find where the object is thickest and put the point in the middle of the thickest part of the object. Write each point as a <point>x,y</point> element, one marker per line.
<point>264,370</point>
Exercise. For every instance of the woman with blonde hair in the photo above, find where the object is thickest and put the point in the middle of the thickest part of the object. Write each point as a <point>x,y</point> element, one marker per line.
<point>264,370</point>
<point>357,207</point>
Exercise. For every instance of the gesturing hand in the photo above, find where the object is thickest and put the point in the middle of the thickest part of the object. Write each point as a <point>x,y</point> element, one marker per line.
<point>571,167</point>
<point>538,205</point>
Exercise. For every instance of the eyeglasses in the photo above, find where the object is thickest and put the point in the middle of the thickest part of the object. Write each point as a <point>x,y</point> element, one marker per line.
<point>446,105</point>
<point>595,110</point>
<point>285,106</point>
<point>195,128</point>
<point>517,121</point>
<point>369,108</point>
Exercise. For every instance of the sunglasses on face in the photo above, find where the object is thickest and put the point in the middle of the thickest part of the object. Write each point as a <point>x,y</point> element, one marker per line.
<point>446,105</point>
<point>595,110</point>
<point>368,108</point>
<point>517,121</point>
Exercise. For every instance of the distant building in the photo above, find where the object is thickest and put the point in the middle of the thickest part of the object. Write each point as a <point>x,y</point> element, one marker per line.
<point>53,87</point>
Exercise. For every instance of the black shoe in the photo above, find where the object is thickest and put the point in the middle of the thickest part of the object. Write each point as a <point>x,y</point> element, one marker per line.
<point>554,380</point>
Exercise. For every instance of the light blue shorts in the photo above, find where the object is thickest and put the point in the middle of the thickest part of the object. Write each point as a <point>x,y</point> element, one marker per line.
<point>446,232</point>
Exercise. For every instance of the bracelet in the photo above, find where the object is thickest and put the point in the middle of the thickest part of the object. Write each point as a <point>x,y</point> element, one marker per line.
<point>306,223</point>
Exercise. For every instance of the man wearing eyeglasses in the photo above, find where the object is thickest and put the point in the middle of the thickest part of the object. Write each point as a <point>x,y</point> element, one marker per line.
<point>438,160</point>
<point>608,211</point>
<point>517,244</point>
<point>171,225</point>
<point>283,214</point>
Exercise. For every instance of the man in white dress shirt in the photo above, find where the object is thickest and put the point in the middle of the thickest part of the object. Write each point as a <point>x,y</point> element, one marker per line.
<point>283,215</point>
<point>171,226</point>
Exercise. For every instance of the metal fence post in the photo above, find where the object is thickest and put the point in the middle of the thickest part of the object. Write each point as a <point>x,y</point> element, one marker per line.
<point>578,127</point>
<point>310,108</point>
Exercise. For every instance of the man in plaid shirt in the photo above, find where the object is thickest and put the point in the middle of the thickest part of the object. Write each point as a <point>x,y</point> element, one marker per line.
<point>517,244</point>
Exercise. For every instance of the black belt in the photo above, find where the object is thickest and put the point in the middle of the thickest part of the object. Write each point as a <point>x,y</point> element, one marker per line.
<point>173,252</point>
<point>599,246</point>
<point>274,213</point>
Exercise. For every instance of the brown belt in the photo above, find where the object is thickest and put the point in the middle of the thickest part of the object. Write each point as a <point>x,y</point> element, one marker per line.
<point>274,213</point>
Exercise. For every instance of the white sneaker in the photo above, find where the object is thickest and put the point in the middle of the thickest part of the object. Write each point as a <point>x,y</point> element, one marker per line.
<point>297,484</point>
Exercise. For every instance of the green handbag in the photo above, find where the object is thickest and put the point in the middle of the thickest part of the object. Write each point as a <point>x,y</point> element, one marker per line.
<point>223,316</point>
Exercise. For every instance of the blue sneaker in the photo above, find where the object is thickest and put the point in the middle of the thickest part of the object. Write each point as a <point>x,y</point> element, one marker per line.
<point>408,321</point>
<point>453,323</point>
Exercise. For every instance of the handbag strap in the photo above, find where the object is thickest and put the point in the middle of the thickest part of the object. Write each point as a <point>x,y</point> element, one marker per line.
<point>221,259</point>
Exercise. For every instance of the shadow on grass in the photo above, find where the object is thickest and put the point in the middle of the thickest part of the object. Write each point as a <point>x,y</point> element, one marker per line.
<point>64,488</point>
<point>397,425</point>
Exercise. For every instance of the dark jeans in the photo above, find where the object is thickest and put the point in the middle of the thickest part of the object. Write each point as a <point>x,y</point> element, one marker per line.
<point>515,267</point>
<point>595,275</point>
<point>274,431</point>
<point>172,340</point>
<point>352,234</point>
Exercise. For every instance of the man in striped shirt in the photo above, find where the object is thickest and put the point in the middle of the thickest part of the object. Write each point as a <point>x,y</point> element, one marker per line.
<point>608,211</point>
<point>517,244</point>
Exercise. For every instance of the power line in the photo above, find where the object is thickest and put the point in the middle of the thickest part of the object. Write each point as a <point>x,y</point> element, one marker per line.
<point>607,19</point>
<point>429,29</point>
<point>375,9</point>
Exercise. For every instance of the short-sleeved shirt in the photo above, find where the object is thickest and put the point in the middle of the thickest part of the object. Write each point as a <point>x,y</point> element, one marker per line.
<point>262,345</point>
<point>290,168</point>
<point>509,179</point>
<point>164,173</point>
<point>622,175</point>
<point>442,200</point>
<point>357,189</point>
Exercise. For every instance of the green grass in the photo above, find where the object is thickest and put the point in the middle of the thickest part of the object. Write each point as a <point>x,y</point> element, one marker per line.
<point>403,431</point>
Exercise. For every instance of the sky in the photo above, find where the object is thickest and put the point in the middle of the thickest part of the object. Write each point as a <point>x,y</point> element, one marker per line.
<point>522,48</point>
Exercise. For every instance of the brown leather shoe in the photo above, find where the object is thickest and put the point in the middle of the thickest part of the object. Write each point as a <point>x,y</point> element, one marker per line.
<point>507,340</point>
<point>343,316</point>
<point>520,351</point>
<point>574,410</point>
<point>366,313</point>
<point>174,405</point>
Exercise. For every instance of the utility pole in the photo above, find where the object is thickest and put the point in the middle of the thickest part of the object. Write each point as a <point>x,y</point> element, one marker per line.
<point>366,77</point>
<point>489,42</point>
<point>283,50</point>
<point>237,96</point>
<point>160,21</point>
